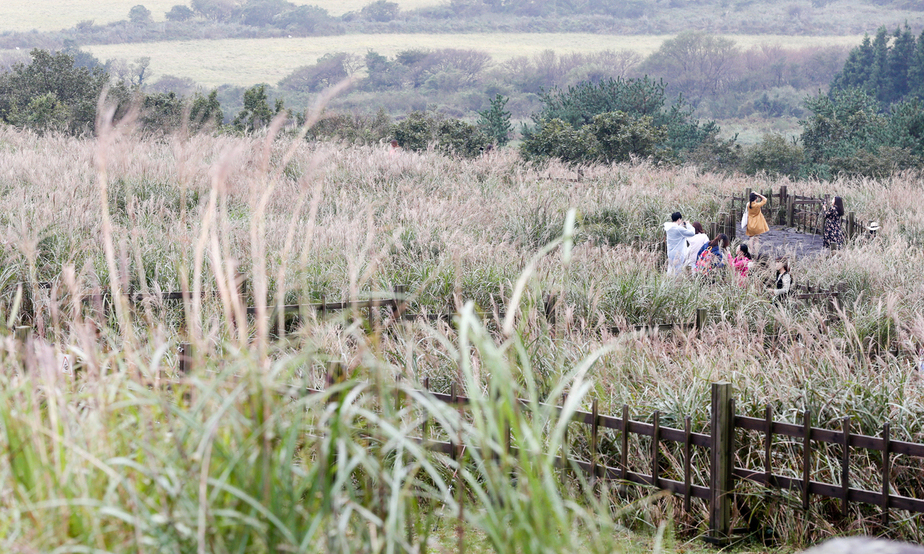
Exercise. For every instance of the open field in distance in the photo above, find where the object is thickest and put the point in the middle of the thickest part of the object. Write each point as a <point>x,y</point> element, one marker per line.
<point>251,61</point>
<point>52,15</point>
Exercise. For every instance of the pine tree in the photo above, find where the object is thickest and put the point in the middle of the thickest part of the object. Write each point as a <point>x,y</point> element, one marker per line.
<point>495,121</point>
<point>857,69</point>
<point>901,56</point>
<point>878,83</point>
<point>916,71</point>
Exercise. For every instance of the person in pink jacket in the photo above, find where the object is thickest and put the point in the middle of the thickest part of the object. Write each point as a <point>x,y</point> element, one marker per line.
<point>742,262</point>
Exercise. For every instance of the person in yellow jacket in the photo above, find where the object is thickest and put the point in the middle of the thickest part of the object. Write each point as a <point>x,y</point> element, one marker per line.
<point>756,223</point>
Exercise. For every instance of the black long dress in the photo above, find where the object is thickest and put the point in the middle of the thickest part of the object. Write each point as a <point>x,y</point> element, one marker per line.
<point>833,235</point>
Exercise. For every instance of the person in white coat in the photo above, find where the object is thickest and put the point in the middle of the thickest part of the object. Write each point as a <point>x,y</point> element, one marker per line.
<point>694,244</point>
<point>677,231</point>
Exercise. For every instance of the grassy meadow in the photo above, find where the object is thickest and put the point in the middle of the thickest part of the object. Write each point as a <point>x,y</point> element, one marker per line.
<point>129,455</point>
<point>246,62</point>
<point>48,15</point>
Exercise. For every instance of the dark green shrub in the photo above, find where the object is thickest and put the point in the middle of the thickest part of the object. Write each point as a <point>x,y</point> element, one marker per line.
<point>621,137</point>
<point>52,91</point>
<point>558,139</point>
<point>774,155</point>
<point>450,136</point>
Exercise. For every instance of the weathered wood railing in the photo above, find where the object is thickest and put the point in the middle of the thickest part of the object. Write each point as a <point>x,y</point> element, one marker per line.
<point>719,441</point>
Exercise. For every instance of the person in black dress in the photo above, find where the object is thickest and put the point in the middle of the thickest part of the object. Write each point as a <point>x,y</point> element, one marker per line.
<point>834,234</point>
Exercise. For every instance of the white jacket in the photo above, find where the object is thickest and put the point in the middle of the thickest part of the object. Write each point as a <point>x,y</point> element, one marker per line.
<point>693,245</point>
<point>676,237</point>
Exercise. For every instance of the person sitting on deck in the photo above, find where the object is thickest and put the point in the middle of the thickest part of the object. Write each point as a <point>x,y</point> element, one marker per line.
<point>742,262</point>
<point>713,255</point>
<point>783,285</point>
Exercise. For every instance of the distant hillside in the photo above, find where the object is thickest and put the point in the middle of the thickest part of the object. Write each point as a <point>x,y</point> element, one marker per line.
<point>85,22</point>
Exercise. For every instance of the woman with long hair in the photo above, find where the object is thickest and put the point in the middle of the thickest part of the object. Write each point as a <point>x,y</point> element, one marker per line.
<point>742,262</point>
<point>783,285</point>
<point>713,255</point>
<point>834,235</point>
<point>694,245</point>
<point>757,225</point>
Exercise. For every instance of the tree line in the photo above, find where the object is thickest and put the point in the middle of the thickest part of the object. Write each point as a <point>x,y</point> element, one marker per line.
<point>214,19</point>
<point>612,119</point>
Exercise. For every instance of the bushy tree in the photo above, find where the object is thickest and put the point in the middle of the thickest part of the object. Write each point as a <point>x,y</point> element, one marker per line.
<point>139,15</point>
<point>161,112</point>
<point>450,136</point>
<point>380,10</point>
<point>697,64</point>
<point>559,139</point>
<point>44,113</point>
<point>305,19</point>
<point>495,121</point>
<point>774,155</point>
<point>888,67</point>
<point>635,98</point>
<point>205,112</point>
<point>330,70</point>
<point>51,91</point>
<point>621,137</point>
<point>259,13</point>
<point>216,10</point>
<point>841,124</point>
<point>256,113</point>
<point>179,12</point>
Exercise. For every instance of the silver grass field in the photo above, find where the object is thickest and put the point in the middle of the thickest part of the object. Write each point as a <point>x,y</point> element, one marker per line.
<point>128,455</point>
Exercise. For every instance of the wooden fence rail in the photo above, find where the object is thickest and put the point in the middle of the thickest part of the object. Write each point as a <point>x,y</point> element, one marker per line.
<point>719,491</point>
<point>803,213</point>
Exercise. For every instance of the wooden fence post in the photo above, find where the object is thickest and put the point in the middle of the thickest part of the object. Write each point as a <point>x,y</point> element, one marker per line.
<point>722,451</point>
<point>399,305</point>
<point>851,225</point>
<point>334,376</point>
<point>185,358</point>
<point>21,334</point>
<point>845,466</point>
<point>551,302</point>
<point>806,457</point>
<point>790,212</point>
<point>700,318</point>
<point>886,474</point>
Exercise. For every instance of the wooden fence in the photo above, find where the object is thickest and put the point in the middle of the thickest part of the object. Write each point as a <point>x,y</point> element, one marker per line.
<point>803,213</point>
<point>719,441</point>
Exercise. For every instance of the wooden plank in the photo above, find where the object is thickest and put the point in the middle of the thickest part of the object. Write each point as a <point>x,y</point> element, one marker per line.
<point>768,444</point>
<point>806,456</point>
<point>624,454</point>
<point>845,466</point>
<point>829,436</point>
<point>834,491</point>
<point>687,463</point>
<point>655,448</point>
<point>594,429</point>
<point>886,474</point>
